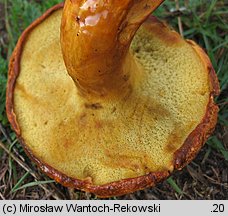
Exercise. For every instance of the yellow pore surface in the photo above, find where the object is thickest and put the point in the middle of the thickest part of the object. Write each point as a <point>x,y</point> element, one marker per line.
<point>107,141</point>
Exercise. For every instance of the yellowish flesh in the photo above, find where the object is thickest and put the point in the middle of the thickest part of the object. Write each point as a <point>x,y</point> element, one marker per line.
<point>106,140</point>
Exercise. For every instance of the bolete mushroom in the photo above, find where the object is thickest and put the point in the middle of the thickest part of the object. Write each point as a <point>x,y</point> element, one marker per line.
<point>114,106</point>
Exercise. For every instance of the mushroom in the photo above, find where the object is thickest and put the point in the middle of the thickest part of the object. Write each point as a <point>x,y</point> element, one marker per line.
<point>114,101</point>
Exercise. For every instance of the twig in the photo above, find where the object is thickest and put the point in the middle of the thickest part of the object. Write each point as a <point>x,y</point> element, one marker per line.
<point>179,19</point>
<point>213,181</point>
<point>198,193</point>
<point>1,196</point>
<point>48,195</point>
<point>17,160</point>
<point>223,103</point>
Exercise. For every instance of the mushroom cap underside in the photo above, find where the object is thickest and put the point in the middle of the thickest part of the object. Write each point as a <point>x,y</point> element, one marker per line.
<point>111,147</point>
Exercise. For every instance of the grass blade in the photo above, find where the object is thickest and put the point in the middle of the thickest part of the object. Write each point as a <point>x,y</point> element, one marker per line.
<point>16,186</point>
<point>174,185</point>
<point>31,184</point>
<point>216,144</point>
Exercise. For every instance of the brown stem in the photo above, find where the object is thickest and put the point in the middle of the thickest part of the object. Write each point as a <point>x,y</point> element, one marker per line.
<point>95,40</point>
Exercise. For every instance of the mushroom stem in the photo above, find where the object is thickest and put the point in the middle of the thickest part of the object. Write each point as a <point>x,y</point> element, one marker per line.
<point>95,40</point>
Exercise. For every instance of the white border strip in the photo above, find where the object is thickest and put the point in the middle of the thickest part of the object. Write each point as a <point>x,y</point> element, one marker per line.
<point>113,207</point>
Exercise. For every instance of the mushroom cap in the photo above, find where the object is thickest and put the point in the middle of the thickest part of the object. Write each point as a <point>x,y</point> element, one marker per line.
<point>111,147</point>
